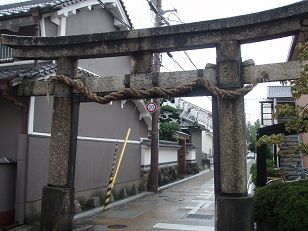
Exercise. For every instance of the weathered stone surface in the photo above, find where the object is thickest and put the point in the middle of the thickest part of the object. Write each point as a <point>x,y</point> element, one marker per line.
<point>94,202</point>
<point>248,28</point>
<point>275,72</point>
<point>231,122</point>
<point>78,208</point>
<point>60,141</point>
<point>57,212</point>
<point>250,74</point>
<point>232,146</point>
<point>61,160</point>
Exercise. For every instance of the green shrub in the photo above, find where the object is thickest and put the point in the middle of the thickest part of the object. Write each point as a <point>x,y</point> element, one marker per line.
<point>168,129</point>
<point>283,205</point>
<point>270,171</point>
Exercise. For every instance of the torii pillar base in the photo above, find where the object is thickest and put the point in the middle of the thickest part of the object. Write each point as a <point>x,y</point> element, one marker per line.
<point>234,213</point>
<point>57,212</point>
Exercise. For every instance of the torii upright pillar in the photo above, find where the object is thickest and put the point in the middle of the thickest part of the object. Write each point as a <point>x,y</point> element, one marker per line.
<point>234,210</point>
<point>58,196</point>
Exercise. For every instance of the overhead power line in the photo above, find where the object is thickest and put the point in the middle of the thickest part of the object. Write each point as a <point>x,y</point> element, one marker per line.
<point>171,56</point>
<point>153,8</point>
<point>190,60</point>
<point>115,15</point>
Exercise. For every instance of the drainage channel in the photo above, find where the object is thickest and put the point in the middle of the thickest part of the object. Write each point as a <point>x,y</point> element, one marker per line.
<point>116,226</point>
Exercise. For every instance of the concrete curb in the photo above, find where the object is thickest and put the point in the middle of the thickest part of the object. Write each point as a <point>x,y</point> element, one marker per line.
<point>183,180</point>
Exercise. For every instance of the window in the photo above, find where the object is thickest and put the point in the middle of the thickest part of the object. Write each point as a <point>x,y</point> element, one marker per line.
<point>5,52</point>
<point>267,113</point>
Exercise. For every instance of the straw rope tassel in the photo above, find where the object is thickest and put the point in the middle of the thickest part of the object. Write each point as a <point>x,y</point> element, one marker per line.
<point>108,193</point>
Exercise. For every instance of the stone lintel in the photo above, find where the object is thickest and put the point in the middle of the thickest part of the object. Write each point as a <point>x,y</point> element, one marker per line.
<point>254,27</point>
<point>250,74</point>
<point>272,72</point>
<point>109,84</point>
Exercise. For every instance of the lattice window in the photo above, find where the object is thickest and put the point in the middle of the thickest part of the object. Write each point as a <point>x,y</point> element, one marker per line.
<point>5,52</point>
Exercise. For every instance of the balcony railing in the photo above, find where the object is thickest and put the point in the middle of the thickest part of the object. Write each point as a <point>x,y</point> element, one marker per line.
<point>5,53</point>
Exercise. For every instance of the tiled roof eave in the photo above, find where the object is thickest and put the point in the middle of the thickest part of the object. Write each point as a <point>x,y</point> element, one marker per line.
<point>28,13</point>
<point>47,9</point>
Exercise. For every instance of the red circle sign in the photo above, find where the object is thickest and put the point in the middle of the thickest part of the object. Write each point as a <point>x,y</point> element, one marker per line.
<point>151,107</point>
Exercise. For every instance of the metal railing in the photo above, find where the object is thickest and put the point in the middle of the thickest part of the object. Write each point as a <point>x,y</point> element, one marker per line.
<point>5,53</point>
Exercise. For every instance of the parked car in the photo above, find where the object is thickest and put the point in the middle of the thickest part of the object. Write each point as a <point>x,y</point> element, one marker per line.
<point>250,155</point>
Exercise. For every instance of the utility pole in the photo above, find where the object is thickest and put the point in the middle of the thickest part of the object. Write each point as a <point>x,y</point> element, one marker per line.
<point>155,115</point>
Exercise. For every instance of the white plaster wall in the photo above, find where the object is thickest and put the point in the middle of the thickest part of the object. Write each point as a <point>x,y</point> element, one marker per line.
<point>207,143</point>
<point>166,154</point>
<point>191,154</point>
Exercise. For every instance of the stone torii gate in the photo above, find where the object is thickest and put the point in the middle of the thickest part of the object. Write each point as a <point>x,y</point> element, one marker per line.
<point>234,210</point>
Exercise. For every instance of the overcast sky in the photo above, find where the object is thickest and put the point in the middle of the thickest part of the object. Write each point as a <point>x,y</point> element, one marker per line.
<point>199,10</point>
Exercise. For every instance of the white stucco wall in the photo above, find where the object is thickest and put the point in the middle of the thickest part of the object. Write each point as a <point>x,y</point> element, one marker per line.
<point>191,154</point>
<point>167,156</point>
<point>207,143</point>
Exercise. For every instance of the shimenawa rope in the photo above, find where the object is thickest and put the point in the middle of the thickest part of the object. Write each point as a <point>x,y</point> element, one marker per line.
<point>154,92</point>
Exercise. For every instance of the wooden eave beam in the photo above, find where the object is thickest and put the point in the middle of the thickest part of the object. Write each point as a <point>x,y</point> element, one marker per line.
<point>105,85</point>
<point>260,26</point>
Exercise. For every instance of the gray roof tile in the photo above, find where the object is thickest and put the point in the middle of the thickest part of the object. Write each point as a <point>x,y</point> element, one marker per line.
<point>18,72</point>
<point>7,160</point>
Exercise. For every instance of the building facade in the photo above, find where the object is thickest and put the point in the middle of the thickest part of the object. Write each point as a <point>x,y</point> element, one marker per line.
<point>197,122</point>
<point>26,121</point>
<point>283,156</point>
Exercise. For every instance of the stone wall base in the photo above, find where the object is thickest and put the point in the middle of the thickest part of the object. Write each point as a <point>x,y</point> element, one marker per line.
<point>33,208</point>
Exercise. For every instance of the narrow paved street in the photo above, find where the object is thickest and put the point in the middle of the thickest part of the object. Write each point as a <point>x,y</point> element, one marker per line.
<point>189,205</point>
<point>186,206</point>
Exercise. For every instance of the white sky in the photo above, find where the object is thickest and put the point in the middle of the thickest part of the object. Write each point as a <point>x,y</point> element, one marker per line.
<point>199,10</point>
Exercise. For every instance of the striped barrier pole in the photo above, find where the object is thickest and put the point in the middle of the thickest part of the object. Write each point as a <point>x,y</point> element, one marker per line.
<point>108,193</point>
<point>113,177</point>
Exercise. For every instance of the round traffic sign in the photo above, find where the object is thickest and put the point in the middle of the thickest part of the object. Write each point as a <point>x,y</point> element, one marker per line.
<point>151,107</point>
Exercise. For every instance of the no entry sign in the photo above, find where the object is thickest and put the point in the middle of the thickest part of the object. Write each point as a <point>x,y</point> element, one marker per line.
<point>151,107</point>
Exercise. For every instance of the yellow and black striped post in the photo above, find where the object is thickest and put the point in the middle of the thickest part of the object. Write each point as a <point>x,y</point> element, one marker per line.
<point>108,193</point>
<point>113,177</point>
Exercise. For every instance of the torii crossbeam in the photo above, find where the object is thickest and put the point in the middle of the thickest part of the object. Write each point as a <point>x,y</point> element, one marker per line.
<point>233,204</point>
